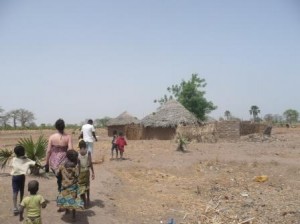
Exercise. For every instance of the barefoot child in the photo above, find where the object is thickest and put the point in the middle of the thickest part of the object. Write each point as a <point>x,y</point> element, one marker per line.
<point>32,204</point>
<point>121,142</point>
<point>69,197</point>
<point>85,164</point>
<point>114,145</point>
<point>20,165</point>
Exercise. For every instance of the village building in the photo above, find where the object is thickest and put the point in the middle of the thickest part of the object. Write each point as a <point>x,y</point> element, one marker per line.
<point>163,124</point>
<point>126,123</point>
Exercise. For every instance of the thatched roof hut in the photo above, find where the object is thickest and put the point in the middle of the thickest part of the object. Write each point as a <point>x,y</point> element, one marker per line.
<point>163,123</point>
<point>127,124</point>
<point>170,114</point>
<point>123,119</point>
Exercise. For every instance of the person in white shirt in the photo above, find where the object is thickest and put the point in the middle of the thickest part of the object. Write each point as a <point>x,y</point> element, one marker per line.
<point>20,166</point>
<point>88,135</point>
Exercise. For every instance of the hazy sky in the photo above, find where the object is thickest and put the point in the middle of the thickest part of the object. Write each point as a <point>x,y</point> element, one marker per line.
<point>89,58</point>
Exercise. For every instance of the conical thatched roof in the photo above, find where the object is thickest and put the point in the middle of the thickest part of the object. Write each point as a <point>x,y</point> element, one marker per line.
<point>123,119</point>
<point>171,114</point>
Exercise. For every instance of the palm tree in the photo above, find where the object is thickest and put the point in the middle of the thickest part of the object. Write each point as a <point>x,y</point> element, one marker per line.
<point>182,143</point>
<point>254,111</point>
<point>227,114</point>
<point>35,151</point>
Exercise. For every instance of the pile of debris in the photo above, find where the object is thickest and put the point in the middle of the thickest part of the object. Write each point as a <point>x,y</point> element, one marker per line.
<point>260,138</point>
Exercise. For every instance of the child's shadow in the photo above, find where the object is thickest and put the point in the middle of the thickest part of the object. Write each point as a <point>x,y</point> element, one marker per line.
<point>97,203</point>
<point>81,217</point>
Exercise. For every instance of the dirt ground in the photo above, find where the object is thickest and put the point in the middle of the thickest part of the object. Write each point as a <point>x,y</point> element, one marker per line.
<point>210,183</point>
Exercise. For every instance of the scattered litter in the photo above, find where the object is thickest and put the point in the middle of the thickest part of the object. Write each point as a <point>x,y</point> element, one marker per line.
<point>262,178</point>
<point>171,221</point>
<point>244,194</point>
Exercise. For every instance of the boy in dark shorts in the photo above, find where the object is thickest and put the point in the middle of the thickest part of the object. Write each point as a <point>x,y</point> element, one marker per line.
<point>114,145</point>
<point>20,165</point>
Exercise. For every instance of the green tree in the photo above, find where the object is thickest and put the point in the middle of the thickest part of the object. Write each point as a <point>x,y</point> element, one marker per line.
<point>100,123</point>
<point>191,95</point>
<point>291,115</point>
<point>254,111</point>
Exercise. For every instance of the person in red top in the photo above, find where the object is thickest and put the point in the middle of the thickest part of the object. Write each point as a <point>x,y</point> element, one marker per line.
<point>121,142</point>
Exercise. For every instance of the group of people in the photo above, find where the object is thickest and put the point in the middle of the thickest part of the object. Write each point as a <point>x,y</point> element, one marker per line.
<point>72,168</point>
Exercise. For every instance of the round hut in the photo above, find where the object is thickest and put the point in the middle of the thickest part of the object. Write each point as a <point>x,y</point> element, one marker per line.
<point>163,123</point>
<point>127,124</point>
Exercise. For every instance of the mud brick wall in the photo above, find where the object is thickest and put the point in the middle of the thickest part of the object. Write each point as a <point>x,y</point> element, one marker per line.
<point>228,129</point>
<point>248,127</point>
<point>204,133</point>
<point>134,132</point>
<point>131,131</point>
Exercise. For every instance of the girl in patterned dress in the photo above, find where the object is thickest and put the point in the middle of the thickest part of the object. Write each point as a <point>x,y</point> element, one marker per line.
<point>69,197</point>
<point>85,164</point>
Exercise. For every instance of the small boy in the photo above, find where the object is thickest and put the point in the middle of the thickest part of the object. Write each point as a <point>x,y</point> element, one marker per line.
<point>20,165</point>
<point>32,204</point>
<point>85,164</point>
<point>114,145</point>
<point>121,142</point>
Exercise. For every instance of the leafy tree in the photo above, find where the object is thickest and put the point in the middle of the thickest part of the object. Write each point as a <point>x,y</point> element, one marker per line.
<point>227,114</point>
<point>100,123</point>
<point>191,95</point>
<point>291,115</point>
<point>254,111</point>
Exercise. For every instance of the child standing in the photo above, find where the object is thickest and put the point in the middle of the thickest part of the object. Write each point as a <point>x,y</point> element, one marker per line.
<point>85,164</point>
<point>114,145</point>
<point>69,197</point>
<point>32,204</point>
<point>20,165</point>
<point>121,142</point>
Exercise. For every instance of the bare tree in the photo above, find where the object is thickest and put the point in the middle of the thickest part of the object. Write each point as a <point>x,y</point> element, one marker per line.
<point>14,115</point>
<point>25,117</point>
<point>5,120</point>
<point>22,116</point>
